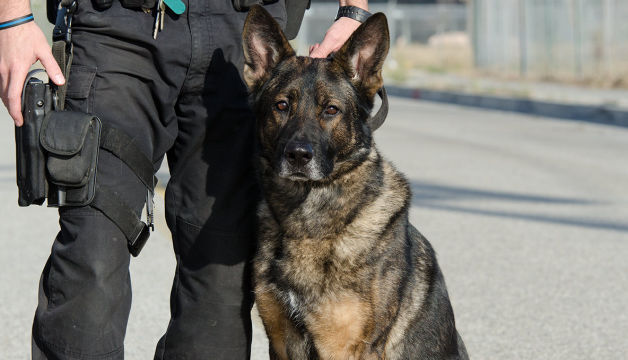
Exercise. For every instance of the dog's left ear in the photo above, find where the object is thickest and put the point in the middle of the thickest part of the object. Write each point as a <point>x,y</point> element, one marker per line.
<point>264,46</point>
<point>363,55</point>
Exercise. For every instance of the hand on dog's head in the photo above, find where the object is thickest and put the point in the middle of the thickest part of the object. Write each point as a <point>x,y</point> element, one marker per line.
<point>361,57</point>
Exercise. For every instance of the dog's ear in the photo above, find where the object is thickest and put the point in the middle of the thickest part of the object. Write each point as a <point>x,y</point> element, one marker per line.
<point>264,45</point>
<point>363,55</point>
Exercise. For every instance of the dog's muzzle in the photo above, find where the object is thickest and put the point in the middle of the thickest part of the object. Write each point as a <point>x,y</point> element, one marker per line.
<point>298,154</point>
<point>298,162</point>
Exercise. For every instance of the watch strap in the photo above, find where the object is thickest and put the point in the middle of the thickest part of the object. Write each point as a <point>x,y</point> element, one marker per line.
<point>353,12</point>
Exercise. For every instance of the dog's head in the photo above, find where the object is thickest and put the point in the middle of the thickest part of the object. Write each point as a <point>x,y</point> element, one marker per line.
<point>312,113</point>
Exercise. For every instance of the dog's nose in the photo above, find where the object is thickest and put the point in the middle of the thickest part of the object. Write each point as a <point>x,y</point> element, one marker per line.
<point>298,153</point>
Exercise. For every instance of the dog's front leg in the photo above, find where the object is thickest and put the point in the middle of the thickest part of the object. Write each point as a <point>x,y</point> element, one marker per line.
<point>275,322</point>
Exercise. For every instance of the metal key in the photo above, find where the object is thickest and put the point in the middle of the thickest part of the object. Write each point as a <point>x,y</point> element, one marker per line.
<point>159,12</point>
<point>163,15</point>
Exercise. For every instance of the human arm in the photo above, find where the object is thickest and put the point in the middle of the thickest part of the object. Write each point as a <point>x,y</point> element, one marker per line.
<point>20,47</point>
<point>339,32</point>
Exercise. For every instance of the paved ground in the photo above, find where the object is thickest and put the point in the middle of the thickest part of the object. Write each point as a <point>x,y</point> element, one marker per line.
<point>529,217</point>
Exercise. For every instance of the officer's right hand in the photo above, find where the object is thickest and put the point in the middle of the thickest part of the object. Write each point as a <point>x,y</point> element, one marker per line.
<point>20,47</point>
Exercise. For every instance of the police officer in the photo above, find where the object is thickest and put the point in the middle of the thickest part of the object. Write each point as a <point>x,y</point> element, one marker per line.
<point>178,94</point>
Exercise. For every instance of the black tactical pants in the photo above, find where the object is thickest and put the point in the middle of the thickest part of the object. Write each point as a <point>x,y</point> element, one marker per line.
<point>181,94</point>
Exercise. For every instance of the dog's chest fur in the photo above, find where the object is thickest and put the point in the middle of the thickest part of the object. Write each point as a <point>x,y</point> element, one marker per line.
<point>329,244</point>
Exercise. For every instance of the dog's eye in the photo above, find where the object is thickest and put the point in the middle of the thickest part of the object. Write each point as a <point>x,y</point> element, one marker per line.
<point>282,106</point>
<point>331,110</point>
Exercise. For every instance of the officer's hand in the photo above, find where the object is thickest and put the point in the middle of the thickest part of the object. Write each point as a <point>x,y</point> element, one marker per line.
<point>335,37</point>
<point>20,47</point>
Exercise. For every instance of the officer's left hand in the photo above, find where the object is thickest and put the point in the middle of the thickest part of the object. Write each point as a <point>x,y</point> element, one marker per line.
<point>335,37</point>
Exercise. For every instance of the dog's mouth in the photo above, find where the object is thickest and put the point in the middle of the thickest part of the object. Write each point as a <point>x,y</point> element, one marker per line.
<point>301,174</point>
<point>311,171</point>
<point>297,176</point>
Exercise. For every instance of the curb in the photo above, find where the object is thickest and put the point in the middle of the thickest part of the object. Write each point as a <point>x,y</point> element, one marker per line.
<point>600,114</point>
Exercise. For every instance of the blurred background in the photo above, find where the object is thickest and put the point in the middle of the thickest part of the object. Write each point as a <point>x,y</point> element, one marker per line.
<point>499,47</point>
<point>538,49</point>
<point>526,208</point>
<point>572,41</point>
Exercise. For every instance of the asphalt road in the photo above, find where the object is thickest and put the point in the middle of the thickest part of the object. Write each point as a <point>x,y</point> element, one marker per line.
<point>529,217</point>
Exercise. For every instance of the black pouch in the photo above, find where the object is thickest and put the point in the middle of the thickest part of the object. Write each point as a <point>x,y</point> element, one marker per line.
<point>71,140</point>
<point>138,4</point>
<point>30,157</point>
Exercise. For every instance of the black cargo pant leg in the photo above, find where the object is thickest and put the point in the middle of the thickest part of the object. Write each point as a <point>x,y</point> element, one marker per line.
<point>210,208</point>
<point>118,74</point>
<point>212,196</point>
<point>180,94</point>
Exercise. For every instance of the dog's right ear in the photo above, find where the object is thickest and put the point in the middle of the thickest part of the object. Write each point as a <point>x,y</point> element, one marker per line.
<point>264,46</point>
<point>362,56</point>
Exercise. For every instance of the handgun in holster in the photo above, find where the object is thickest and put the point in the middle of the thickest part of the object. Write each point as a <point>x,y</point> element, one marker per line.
<point>57,160</point>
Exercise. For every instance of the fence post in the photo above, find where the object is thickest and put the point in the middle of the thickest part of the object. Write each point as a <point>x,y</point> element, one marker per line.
<point>474,23</point>
<point>577,22</point>
<point>392,13</point>
<point>523,48</point>
<point>607,36</point>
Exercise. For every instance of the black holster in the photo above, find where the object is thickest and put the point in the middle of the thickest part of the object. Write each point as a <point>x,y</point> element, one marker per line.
<point>56,151</point>
<point>30,157</point>
<point>57,158</point>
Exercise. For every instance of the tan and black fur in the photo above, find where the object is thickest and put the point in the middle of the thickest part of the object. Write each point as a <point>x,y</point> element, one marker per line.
<point>340,273</point>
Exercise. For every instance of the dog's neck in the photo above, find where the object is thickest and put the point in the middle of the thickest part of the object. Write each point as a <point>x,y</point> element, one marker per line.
<point>322,209</point>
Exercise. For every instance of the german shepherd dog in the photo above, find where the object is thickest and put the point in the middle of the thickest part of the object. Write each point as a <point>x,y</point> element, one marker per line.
<point>339,273</point>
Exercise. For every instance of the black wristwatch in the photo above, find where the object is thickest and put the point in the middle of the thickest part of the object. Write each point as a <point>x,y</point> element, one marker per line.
<point>353,12</point>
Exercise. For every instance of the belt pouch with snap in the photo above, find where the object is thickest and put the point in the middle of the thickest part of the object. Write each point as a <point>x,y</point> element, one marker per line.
<point>71,141</point>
